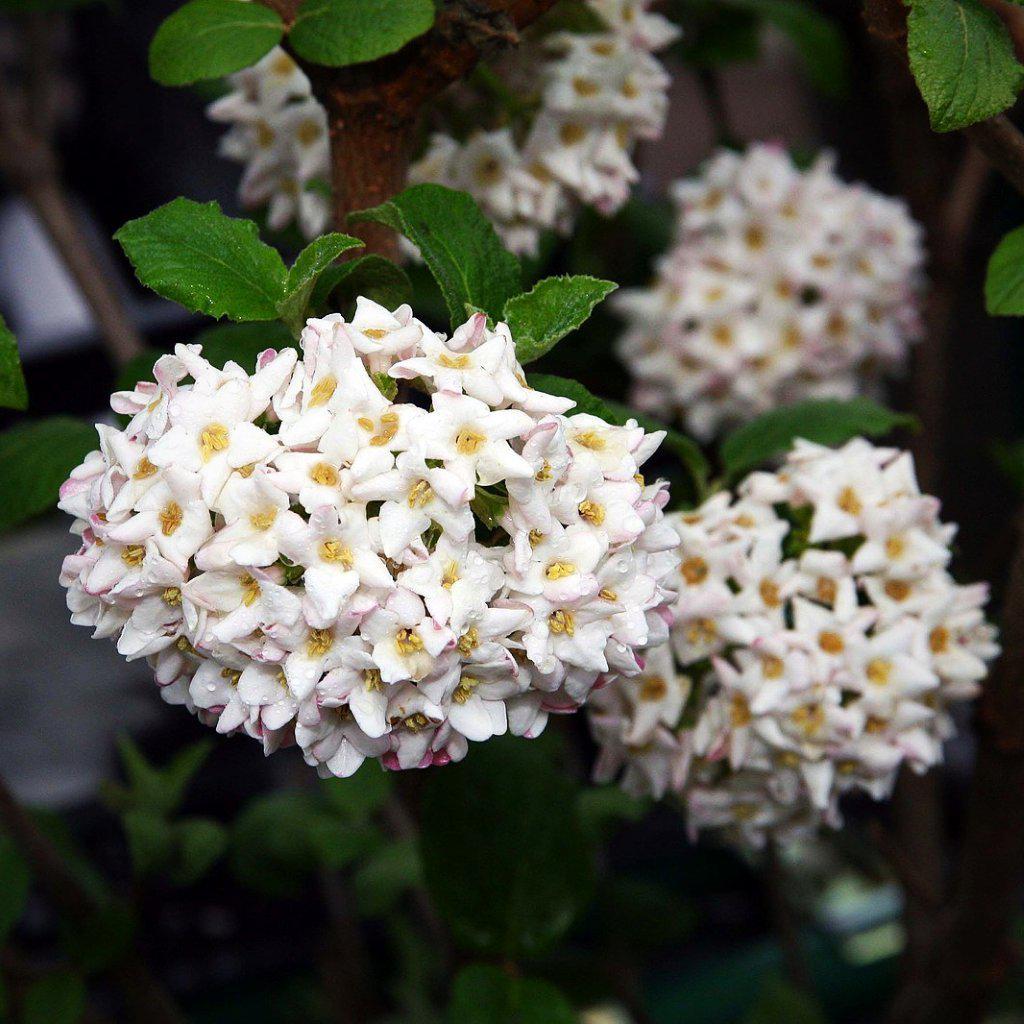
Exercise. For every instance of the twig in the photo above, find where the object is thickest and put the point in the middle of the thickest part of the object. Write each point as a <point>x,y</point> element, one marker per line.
<point>28,160</point>
<point>144,996</point>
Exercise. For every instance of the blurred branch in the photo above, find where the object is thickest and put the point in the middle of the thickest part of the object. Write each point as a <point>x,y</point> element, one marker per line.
<point>144,996</point>
<point>28,160</point>
<point>784,922</point>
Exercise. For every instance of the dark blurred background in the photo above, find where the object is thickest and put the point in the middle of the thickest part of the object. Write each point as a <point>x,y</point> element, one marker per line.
<point>698,920</point>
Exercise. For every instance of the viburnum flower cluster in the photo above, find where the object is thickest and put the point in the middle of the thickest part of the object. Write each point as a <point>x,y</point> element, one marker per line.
<point>781,285</point>
<point>600,91</point>
<point>822,643</point>
<point>304,559</point>
<point>279,132</point>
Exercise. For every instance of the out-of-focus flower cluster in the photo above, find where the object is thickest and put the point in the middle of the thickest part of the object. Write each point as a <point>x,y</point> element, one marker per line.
<point>781,285</point>
<point>307,560</point>
<point>822,643</point>
<point>279,133</point>
<point>600,91</point>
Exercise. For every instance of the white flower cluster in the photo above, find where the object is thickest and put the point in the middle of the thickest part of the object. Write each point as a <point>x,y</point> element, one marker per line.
<point>822,642</point>
<point>279,132</point>
<point>299,557</point>
<point>600,92</point>
<point>781,285</point>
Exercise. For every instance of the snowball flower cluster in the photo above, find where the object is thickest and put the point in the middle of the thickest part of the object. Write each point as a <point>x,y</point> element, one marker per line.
<point>781,285</point>
<point>279,132</point>
<point>822,642</point>
<point>600,91</point>
<point>306,560</point>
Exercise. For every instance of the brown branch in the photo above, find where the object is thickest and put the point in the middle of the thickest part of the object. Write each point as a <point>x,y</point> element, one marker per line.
<point>28,160</point>
<point>373,109</point>
<point>144,996</point>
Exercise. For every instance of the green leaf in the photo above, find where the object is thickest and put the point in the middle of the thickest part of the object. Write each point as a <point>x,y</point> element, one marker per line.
<point>13,393</point>
<point>541,317</point>
<point>601,809</point>
<point>242,343</point>
<point>780,1001</point>
<point>503,855</point>
<point>58,998</point>
<point>15,881</point>
<point>817,38</point>
<point>386,875</point>
<point>963,60</point>
<point>483,994</point>
<point>160,790</point>
<point>1004,281</point>
<point>826,421</point>
<point>35,459</point>
<point>98,942</point>
<point>336,843</point>
<point>342,32</point>
<point>360,796</point>
<point>458,244</point>
<point>372,277</point>
<point>200,842</point>
<point>150,839</point>
<point>270,849</point>
<point>686,450</point>
<point>196,256</point>
<point>1009,457</point>
<point>306,271</point>
<point>210,39</point>
<point>488,507</point>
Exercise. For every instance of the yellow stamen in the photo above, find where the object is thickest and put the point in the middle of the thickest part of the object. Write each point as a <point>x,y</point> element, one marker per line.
<point>171,518</point>
<point>469,441</point>
<point>559,570</point>
<point>212,439</point>
<point>319,642</point>
<point>592,512</point>
<point>325,474</point>
<point>133,555</point>
<point>323,390</point>
<point>334,550</point>
<point>562,621</point>
<point>407,641</point>
<point>263,520</point>
<point>143,469</point>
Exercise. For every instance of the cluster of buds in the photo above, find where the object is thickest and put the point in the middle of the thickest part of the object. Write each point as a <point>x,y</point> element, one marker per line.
<point>821,643</point>
<point>307,556</point>
<point>781,285</point>
<point>279,133</point>
<point>600,91</point>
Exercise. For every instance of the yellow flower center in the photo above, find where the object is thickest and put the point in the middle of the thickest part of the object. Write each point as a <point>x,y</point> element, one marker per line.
<point>652,688</point>
<point>469,441</point>
<point>334,550</point>
<point>421,494</point>
<point>451,575</point>
<point>591,439</point>
<point>213,438</point>
<point>849,502</point>
<point>325,474</point>
<point>372,680</point>
<point>143,469</point>
<point>469,641</point>
<point>172,596</point>
<point>323,390</point>
<point>739,711</point>
<point>830,642</point>
<point>407,641</point>
<point>133,555</point>
<point>592,512</point>
<point>250,590</point>
<point>450,362</point>
<point>388,429</point>
<point>879,671</point>
<point>897,590</point>
<point>938,640</point>
<point>562,621</point>
<point>465,689</point>
<point>319,642</point>
<point>263,520</point>
<point>171,517</point>
<point>694,570</point>
<point>559,570</point>
<point>770,593</point>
